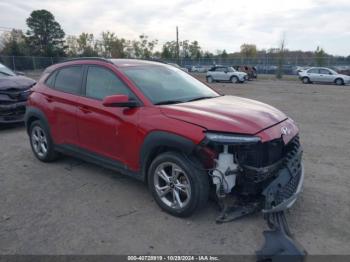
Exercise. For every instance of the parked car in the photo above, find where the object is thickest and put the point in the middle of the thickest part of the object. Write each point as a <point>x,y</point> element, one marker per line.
<point>158,124</point>
<point>249,70</point>
<point>177,66</point>
<point>225,73</point>
<point>324,75</point>
<point>199,69</point>
<point>14,91</point>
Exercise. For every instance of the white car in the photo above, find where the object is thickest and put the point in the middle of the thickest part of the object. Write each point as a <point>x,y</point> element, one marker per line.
<point>324,75</point>
<point>225,73</point>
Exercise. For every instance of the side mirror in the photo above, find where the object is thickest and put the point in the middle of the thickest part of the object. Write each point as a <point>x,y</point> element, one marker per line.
<point>119,101</point>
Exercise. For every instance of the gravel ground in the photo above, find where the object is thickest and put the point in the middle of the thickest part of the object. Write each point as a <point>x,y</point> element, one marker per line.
<point>72,207</point>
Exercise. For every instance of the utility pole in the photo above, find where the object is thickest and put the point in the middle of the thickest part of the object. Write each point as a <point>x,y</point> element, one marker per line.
<point>177,46</point>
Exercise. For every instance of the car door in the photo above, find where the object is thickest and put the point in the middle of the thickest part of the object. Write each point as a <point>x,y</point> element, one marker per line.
<point>313,74</point>
<point>220,73</point>
<point>61,102</point>
<point>106,131</point>
<point>326,75</point>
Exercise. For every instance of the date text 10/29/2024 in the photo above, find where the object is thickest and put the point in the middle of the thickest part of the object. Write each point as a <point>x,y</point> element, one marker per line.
<point>173,258</point>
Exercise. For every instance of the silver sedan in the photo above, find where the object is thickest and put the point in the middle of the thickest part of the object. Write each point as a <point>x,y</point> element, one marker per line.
<point>322,74</point>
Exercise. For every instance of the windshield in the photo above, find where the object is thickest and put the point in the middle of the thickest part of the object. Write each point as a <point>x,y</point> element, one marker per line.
<point>231,69</point>
<point>6,71</point>
<point>167,84</point>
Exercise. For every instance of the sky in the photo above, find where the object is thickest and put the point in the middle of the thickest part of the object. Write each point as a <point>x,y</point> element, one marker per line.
<point>217,25</point>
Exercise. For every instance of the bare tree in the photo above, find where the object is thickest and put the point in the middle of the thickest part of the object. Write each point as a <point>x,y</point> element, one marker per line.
<point>280,57</point>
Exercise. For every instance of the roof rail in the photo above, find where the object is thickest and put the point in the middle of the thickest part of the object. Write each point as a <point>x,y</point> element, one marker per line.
<point>87,58</point>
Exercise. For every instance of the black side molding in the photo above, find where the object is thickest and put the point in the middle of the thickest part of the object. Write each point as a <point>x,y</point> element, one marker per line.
<point>157,139</point>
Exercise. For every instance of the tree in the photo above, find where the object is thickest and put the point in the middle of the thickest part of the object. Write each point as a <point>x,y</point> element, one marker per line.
<point>86,45</point>
<point>280,58</point>
<point>320,56</point>
<point>169,50</point>
<point>72,46</point>
<point>195,50</point>
<point>45,35</point>
<point>13,43</point>
<point>112,46</point>
<point>143,48</point>
<point>248,50</point>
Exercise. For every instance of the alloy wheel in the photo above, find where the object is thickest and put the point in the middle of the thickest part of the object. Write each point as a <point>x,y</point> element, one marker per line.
<point>172,185</point>
<point>39,141</point>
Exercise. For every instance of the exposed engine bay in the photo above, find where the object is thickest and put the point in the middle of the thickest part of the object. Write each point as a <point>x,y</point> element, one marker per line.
<point>251,176</point>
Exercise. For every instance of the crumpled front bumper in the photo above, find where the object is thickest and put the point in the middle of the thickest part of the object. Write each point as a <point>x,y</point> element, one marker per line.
<point>283,191</point>
<point>12,113</point>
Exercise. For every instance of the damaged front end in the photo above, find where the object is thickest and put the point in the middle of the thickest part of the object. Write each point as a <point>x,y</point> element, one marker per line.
<point>261,176</point>
<point>13,104</point>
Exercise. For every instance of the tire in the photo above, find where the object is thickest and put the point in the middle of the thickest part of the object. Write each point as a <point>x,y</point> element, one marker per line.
<point>305,80</point>
<point>210,79</point>
<point>234,79</point>
<point>181,192</point>
<point>41,142</point>
<point>339,82</point>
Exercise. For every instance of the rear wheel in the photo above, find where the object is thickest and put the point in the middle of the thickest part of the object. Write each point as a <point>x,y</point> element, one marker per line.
<point>339,82</point>
<point>177,186</point>
<point>306,80</point>
<point>41,142</point>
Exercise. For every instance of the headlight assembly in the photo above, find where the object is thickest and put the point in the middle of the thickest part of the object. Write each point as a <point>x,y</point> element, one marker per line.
<point>223,138</point>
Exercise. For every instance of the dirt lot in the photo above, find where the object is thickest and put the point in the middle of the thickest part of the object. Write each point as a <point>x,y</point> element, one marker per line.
<point>71,207</point>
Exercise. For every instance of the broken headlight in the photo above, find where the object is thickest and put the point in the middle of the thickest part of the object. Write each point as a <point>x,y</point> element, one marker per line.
<point>224,138</point>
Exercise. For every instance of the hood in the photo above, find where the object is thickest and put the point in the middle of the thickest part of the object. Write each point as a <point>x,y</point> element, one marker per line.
<point>15,82</point>
<point>227,114</point>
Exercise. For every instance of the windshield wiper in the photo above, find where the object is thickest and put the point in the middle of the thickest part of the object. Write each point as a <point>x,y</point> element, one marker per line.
<point>200,98</point>
<point>169,102</point>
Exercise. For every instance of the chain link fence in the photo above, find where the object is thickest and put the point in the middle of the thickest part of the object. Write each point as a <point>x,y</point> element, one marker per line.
<point>264,65</point>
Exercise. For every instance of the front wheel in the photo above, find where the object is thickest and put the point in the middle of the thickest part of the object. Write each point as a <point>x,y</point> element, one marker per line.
<point>41,142</point>
<point>178,187</point>
<point>339,82</point>
<point>234,79</point>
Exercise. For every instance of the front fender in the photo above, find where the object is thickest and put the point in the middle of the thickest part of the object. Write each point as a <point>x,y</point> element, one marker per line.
<point>158,139</point>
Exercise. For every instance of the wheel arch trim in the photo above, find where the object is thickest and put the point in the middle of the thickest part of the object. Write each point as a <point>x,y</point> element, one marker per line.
<point>158,139</point>
<point>32,112</point>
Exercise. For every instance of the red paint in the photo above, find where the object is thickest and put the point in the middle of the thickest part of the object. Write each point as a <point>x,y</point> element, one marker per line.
<point>118,132</point>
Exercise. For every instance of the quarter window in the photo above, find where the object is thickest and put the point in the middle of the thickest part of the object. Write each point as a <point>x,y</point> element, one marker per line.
<point>51,80</point>
<point>68,79</point>
<point>102,82</point>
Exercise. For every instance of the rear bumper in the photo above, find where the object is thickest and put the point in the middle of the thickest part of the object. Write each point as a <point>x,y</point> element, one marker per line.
<point>12,113</point>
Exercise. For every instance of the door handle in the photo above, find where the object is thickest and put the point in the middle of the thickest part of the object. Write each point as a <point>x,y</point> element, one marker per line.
<point>84,109</point>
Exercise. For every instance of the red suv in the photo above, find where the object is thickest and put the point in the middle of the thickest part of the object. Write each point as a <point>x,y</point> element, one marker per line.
<point>158,124</point>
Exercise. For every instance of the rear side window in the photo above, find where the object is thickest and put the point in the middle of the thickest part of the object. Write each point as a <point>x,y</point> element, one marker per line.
<point>68,79</point>
<point>313,71</point>
<point>101,82</point>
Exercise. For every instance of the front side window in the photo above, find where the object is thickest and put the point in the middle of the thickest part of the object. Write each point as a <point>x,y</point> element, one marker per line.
<point>325,72</point>
<point>167,84</point>
<point>68,79</point>
<point>101,82</point>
